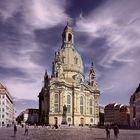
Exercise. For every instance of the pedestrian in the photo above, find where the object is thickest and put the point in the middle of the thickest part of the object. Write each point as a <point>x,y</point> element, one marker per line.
<point>107,131</point>
<point>35,125</point>
<point>55,126</point>
<point>90,126</point>
<point>15,130</point>
<point>116,131</point>
<point>22,125</point>
<point>26,129</point>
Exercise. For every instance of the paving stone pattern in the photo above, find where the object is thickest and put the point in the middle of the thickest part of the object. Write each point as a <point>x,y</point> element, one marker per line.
<point>66,133</point>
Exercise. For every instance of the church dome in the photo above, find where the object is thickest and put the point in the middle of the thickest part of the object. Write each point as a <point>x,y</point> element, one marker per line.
<point>67,60</point>
<point>71,60</point>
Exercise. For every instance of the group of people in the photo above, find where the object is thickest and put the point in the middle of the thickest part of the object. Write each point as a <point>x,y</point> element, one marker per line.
<point>115,129</point>
<point>26,129</point>
<point>107,129</point>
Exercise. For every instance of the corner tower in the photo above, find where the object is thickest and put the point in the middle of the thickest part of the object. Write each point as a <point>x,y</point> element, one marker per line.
<point>92,77</point>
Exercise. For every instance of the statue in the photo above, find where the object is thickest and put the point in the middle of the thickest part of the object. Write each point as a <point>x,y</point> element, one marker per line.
<point>64,119</point>
<point>64,110</point>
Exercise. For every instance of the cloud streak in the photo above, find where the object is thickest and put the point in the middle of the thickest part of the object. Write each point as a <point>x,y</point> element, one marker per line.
<point>19,46</point>
<point>45,13</point>
<point>30,32</point>
<point>119,26</point>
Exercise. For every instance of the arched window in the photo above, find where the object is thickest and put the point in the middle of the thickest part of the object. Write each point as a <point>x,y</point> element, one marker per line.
<point>75,60</point>
<point>56,103</point>
<point>90,106</point>
<point>68,103</point>
<point>63,60</point>
<point>91,120</point>
<point>69,37</point>
<point>81,105</point>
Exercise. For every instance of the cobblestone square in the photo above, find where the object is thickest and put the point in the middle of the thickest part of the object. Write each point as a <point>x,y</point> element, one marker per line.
<point>66,133</point>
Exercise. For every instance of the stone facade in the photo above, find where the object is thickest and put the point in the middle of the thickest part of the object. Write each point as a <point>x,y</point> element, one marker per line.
<point>65,98</point>
<point>117,114</point>
<point>101,115</point>
<point>135,108</point>
<point>7,107</point>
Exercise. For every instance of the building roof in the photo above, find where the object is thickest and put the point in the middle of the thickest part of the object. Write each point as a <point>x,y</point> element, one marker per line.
<point>124,108</point>
<point>2,86</point>
<point>138,89</point>
<point>132,98</point>
<point>110,105</point>
<point>6,92</point>
<point>26,111</point>
<point>115,106</point>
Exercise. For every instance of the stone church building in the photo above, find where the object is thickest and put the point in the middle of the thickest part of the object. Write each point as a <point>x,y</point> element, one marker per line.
<point>65,98</point>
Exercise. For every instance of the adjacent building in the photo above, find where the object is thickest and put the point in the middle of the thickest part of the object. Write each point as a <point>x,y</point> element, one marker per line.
<point>65,98</point>
<point>7,107</point>
<point>117,114</point>
<point>29,116</point>
<point>135,108</point>
<point>101,115</point>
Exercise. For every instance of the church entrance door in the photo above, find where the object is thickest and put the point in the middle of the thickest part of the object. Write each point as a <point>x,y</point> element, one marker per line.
<point>82,121</point>
<point>55,120</point>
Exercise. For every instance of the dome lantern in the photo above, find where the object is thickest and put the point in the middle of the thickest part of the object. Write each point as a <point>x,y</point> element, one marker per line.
<point>68,37</point>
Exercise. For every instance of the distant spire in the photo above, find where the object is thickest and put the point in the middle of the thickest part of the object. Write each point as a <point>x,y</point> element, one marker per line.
<point>67,23</point>
<point>46,79</point>
<point>46,71</point>
<point>92,69</point>
<point>91,66</point>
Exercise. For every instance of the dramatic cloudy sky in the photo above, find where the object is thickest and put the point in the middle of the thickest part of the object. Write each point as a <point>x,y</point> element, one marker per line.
<point>106,32</point>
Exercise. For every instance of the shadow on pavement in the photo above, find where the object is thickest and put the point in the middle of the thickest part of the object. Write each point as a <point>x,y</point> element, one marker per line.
<point>100,138</point>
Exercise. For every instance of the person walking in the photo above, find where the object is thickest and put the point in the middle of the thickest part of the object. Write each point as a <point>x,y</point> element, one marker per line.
<point>116,131</point>
<point>26,129</point>
<point>55,126</point>
<point>15,130</point>
<point>107,131</point>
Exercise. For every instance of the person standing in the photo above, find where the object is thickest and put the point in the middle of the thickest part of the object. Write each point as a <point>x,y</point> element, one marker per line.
<point>15,130</point>
<point>107,131</point>
<point>26,129</point>
<point>116,131</point>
